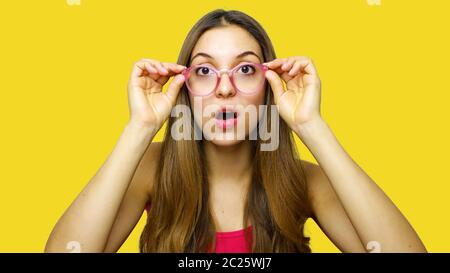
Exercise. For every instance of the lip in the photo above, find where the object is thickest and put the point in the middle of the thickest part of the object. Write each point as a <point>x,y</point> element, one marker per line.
<point>227,123</point>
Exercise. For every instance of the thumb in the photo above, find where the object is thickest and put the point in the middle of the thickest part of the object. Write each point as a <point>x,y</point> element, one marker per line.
<point>276,83</point>
<point>174,87</point>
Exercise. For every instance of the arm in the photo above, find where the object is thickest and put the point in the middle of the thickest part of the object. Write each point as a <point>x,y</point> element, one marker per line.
<point>328,212</point>
<point>90,217</point>
<point>137,196</point>
<point>354,194</point>
<point>343,187</point>
<point>108,199</point>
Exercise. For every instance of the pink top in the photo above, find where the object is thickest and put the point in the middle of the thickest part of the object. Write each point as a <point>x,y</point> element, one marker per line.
<point>231,241</point>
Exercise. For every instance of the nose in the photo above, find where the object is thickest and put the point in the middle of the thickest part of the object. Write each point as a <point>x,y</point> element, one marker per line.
<point>225,88</point>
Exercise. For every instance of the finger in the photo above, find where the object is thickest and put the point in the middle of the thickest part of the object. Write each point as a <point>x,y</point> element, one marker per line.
<point>138,69</point>
<point>162,80</point>
<point>282,72</point>
<point>295,69</point>
<point>174,88</point>
<point>144,67</point>
<point>276,83</point>
<point>154,74</point>
<point>275,63</point>
<point>150,68</point>
<point>173,68</point>
<point>161,69</point>
<point>157,65</point>
<point>307,66</point>
<point>272,64</point>
<point>288,64</point>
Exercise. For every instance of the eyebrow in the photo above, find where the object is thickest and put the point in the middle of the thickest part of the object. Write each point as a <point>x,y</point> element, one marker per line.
<point>243,54</point>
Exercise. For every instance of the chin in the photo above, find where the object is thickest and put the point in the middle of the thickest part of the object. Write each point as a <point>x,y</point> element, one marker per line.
<point>225,138</point>
<point>226,142</point>
<point>220,135</point>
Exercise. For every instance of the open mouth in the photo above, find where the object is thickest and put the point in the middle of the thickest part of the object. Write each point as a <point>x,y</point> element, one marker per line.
<point>226,115</point>
<point>226,118</point>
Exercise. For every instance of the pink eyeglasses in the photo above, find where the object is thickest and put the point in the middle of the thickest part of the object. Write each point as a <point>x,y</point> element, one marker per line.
<point>246,78</point>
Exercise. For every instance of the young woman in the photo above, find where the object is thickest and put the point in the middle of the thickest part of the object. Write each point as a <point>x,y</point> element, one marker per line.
<point>226,194</point>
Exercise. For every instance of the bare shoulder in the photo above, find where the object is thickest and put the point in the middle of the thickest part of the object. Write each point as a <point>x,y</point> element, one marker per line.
<point>315,176</point>
<point>312,170</point>
<point>328,211</point>
<point>146,169</point>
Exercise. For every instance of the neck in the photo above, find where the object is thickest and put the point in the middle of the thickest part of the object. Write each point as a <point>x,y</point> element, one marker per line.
<point>231,164</point>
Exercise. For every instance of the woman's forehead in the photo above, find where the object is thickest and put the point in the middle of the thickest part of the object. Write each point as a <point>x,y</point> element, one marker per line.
<point>226,42</point>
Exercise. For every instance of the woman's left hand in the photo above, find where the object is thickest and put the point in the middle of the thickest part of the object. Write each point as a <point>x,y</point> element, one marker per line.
<point>299,104</point>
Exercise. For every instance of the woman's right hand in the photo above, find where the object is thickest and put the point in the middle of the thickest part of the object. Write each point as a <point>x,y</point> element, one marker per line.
<point>149,106</point>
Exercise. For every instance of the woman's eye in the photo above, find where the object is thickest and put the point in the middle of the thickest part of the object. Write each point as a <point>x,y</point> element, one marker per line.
<point>246,69</point>
<point>202,71</point>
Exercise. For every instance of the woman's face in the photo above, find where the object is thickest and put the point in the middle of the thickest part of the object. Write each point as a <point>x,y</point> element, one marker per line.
<point>225,48</point>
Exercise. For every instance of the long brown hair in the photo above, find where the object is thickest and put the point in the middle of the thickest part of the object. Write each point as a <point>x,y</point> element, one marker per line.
<point>180,218</point>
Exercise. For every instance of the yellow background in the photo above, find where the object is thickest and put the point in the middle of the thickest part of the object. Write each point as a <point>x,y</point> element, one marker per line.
<point>63,101</point>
